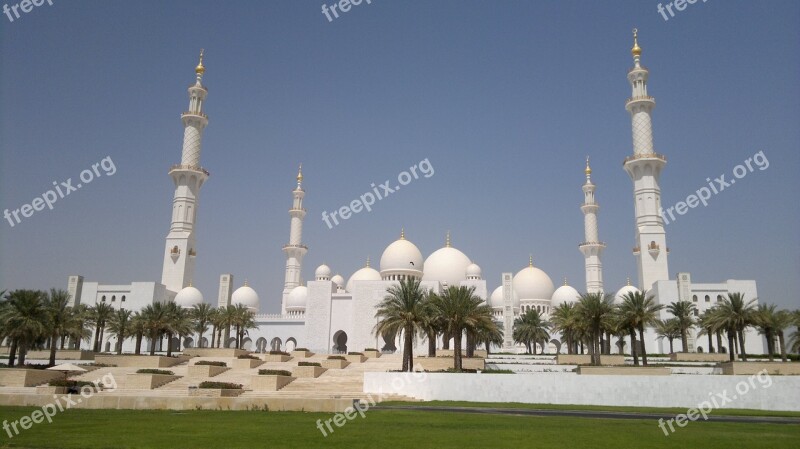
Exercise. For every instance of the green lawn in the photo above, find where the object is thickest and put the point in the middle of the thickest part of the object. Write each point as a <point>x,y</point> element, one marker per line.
<point>118,429</point>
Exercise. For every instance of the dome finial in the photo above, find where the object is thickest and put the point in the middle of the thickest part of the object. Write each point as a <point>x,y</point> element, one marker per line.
<point>588,170</point>
<point>565,280</point>
<point>402,233</point>
<point>628,282</point>
<point>636,51</point>
<point>245,283</point>
<point>447,243</point>
<point>530,260</point>
<point>367,265</point>
<point>200,70</point>
<point>300,175</point>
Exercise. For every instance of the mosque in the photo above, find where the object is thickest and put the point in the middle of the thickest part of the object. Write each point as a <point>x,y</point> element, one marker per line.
<point>331,315</point>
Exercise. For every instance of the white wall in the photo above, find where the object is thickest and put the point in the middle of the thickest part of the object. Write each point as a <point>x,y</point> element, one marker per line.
<point>559,388</point>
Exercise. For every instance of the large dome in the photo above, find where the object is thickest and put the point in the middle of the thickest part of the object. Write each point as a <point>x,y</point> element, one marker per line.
<point>365,274</point>
<point>297,298</point>
<point>618,298</point>
<point>533,283</point>
<point>188,297</point>
<point>245,296</point>
<point>496,299</point>
<point>402,257</point>
<point>338,280</point>
<point>446,265</point>
<point>564,295</point>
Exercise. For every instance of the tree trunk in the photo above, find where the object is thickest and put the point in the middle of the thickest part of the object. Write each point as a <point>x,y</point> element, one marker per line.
<point>719,341</point>
<point>592,349</point>
<point>139,336</point>
<point>770,345</point>
<point>644,349</point>
<point>741,345</point>
<point>408,358</point>
<point>213,335</point>
<point>12,353</point>
<point>432,344</point>
<point>153,338</point>
<point>53,340</point>
<point>671,350</point>
<point>634,349</point>
<point>684,342</point>
<point>120,339</point>
<point>488,349</point>
<point>731,350</point>
<point>470,345</point>
<point>457,351</point>
<point>710,343</point>
<point>445,341</point>
<point>782,342</point>
<point>22,350</point>
<point>96,345</point>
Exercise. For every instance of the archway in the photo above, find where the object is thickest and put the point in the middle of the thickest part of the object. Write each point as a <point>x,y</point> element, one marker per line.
<point>557,344</point>
<point>108,346</point>
<point>276,344</point>
<point>204,341</point>
<point>340,342</point>
<point>175,343</point>
<point>291,344</point>
<point>261,345</point>
<point>188,342</point>
<point>247,343</point>
<point>231,343</point>
<point>390,347</point>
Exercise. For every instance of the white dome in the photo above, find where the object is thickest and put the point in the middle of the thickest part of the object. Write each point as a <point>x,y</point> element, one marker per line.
<point>245,296</point>
<point>533,283</point>
<point>496,299</point>
<point>565,294</point>
<point>188,297</point>
<point>473,270</point>
<point>297,298</point>
<point>624,291</point>
<point>338,280</point>
<point>323,272</point>
<point>402,257</point>
<point>364,274</point>
<point>446,265</point>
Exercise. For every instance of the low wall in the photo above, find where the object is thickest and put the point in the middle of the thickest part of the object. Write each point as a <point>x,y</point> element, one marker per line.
<point>214,352</point>
<point>308,371</point>
<point>780,393</point>
<point>202,371</point>
<point>107,401</point>
<point>773,368</point>
<point>444,363</point>
<point>11,377</point>
<point>139,361</point>
<point>698,357</point>
<point>586,359</point>
<point>269,383</point>
<point>135,381</point>
<point>451,353</point>
<point>623,370</point>
<point>66,354</point>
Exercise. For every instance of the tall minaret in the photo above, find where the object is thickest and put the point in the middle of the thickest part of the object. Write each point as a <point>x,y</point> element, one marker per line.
<point>295,250</point>
<point>592,248</point>
<point>644,168</point>
<point>188,177</point>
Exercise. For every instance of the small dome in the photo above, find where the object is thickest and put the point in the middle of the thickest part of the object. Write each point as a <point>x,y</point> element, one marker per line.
<point>473,271</point>
<point>533,283</point>
<point>188,297</point>
<point>297,298</point>
<point>624,291</point>
<point>246,296</point>
<point>323,273</point>
<point>446,265</point>
<point>338,280</point>
<point>496,299</point>
<point>565,294</point>
<point>364,274</point>
<point>402,257</point>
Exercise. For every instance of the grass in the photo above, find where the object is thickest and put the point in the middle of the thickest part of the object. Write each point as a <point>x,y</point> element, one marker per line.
<point>156,429</point>
<point>667,411</point>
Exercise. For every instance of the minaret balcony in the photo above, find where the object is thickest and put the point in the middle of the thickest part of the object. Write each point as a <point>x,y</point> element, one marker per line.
<point>199,114</point>
<point>285,247</point>
<point>660,157</point>
<point>640,99</point>
<point>194,168</point>
<point>637,250</point>
<point>587,244</point>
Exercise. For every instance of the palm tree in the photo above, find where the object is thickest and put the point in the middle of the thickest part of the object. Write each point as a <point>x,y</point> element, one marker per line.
<point>564,319</point>
<point>78,328</point>
<point>640,310</point>
<point>244,319</point>
<point>488,336</point>
<point>669,329</point>
<point>402,311</point>
<point>155,322</point>
<point>228,320</point>
<point>216,322</point>
<point>138,327</point>
<point>178,324</point>
<point>706,324</point>
<point>594,310</point>
<point>201,314</point>
<point>58,316</point>
<point>431,325</point>
<point>683,311</point>
<point>783,321</point>
<point>530,329</point>
<point>120,325</point>
<point>735,315</point>
<point>24,319</point>
<point>460,311</point>
<point>99,317</point>
<point>764,319</point>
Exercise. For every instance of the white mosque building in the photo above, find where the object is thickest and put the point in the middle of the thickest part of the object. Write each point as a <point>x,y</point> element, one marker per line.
<point>329,314</point>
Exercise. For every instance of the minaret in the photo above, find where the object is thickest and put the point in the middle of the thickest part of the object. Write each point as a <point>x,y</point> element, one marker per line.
<point>295,250</point>
<point>644,168</point>
<point>188,176</point>
<point>592,248</point>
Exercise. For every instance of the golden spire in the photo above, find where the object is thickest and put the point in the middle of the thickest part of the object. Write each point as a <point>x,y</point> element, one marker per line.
<point>636,51</point>
<point>367,265</point>
<point>629,282</point>
<point>402,233</point>
<point>588,170</point>
<point>447,243</point>
<point>565,280</point>
<point>200,69</point>
<point>245,282</point>
<point>300,174</point>
<point>530,260</point>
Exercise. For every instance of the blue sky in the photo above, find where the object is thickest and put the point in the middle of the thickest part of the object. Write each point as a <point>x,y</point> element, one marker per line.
<point>505,99</point>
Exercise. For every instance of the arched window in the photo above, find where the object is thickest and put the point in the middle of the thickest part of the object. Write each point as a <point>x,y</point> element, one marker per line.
<point>708,298</point>
<point>104,298</point>
<point>113,298</point>
<point>123,298</point>
<point>694,298</point>
<point>719,298</point>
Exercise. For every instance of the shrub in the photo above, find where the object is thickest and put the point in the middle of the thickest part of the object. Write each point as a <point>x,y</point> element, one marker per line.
<point>301,349</point>
<point>336,357</point>
<point>370,349</point>
<point>308,364</point>
<point>154,371</point>
<point>497,371</point>
<point>273,372</point>
<point>278,353</point>
<point>355,353</point>
<point>70,383</point>
<point>248,356</point>
<point>210,363</point>
<point>220,385</point>
<point>103,365</point>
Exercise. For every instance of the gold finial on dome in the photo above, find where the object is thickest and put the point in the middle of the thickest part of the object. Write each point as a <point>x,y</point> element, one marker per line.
<point>402,233</point>
<point>588,170</point>
<point>200,69</point>
<point>629,282</point>
<point>367,265</point>
<point>636,51</point>
<point>245,283</point>
<point>300,174</point>
<point>447,243</point>
<point>565,281</point>
<point>530,260</point>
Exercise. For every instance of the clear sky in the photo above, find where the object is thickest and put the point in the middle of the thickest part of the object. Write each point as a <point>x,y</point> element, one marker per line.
<point>505,99</point>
